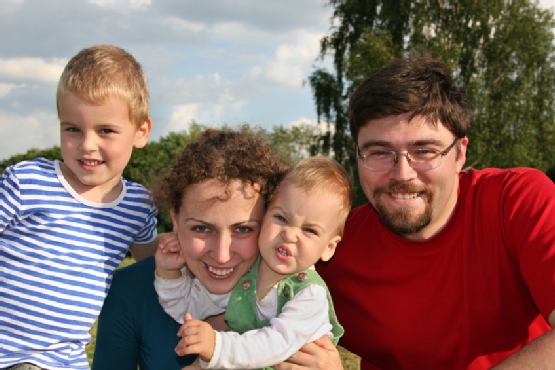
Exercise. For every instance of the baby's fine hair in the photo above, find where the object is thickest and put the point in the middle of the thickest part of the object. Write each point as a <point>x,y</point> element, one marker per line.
<point>325,177</point>
<point>228,155</point>
<point>101,72</point>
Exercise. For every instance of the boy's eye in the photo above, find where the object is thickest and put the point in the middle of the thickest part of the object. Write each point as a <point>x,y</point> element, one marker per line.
<point>73,129</point>
<point>106,131</point>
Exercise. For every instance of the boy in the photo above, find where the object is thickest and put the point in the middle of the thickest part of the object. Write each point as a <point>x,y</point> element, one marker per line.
<point>281,303</point>
<point>65,226</point>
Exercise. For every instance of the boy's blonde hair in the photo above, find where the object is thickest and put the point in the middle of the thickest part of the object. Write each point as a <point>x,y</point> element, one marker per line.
<point>103,71</point>
<point>325,177</point>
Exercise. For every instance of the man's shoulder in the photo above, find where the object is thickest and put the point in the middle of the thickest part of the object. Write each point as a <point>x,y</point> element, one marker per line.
<point>503,178</point>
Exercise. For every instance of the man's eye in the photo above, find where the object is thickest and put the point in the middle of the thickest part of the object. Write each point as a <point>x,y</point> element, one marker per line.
<point>379,153</point>
<point>424,152</point>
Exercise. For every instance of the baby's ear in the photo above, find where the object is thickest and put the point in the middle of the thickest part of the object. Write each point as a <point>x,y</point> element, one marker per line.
<point>330,248</point>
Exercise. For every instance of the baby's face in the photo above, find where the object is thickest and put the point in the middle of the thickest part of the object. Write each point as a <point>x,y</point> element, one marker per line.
<point>299,229</point>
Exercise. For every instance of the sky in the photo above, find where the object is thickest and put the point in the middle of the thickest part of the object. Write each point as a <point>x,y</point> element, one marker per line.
<point>215,61</point>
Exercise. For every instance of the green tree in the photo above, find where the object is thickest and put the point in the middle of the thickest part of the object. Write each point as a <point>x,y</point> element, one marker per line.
<point>51,154</point>
<point>501,53</point>
<point>295,143</point>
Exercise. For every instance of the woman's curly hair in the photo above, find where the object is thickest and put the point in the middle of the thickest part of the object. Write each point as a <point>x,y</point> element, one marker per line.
<point>224,155</point>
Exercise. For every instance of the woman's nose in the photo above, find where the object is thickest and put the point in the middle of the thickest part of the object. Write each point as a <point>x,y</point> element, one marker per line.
<point>221,252</point>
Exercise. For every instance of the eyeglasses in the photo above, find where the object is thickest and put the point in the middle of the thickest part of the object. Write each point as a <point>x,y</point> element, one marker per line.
<point>422,159</point>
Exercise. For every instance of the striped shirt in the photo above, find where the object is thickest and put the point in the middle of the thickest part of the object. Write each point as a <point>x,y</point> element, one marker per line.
<point>58,252</point>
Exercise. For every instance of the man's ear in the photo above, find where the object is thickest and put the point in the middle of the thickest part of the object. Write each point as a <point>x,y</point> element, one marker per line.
<point>330,248</point>
<point>462,154</point>
<point>142,133</point>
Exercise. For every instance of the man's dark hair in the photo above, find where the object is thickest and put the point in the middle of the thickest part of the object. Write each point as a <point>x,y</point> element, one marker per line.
<point>419,85</point>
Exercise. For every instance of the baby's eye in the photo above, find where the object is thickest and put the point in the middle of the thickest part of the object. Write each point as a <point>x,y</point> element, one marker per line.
<point>310,231</point>
<point>280,218</point>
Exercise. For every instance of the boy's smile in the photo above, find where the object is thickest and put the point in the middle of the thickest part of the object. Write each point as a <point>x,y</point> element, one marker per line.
<point>96,143</point>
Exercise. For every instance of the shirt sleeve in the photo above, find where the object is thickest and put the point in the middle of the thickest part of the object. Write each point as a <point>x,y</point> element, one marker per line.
<point>302,320</point>
<point>9,198</point>
<point>187,295</point>
<point>528,199</point>
<point>148,232</point>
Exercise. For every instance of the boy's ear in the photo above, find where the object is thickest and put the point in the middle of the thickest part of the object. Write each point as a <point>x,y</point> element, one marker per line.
<point>330,248</point>
<point>142,133</point>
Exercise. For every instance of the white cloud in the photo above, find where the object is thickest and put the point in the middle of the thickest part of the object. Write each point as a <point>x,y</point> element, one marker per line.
<point>31,69</point>
<point>6,89</point>
<point>39,130</point>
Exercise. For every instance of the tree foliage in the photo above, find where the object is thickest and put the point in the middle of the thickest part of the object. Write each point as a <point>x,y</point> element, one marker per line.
<point>501,53</point>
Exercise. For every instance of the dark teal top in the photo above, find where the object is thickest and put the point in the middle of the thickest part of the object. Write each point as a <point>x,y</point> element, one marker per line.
<point>133,328</point>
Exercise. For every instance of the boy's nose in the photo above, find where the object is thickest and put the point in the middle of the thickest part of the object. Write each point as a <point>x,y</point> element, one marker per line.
<point>88,143</point>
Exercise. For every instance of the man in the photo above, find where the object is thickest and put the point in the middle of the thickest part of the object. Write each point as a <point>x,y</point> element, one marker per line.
<point>443,268</point>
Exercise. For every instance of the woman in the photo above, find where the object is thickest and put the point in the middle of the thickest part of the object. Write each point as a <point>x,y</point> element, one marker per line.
<point>217,191</point>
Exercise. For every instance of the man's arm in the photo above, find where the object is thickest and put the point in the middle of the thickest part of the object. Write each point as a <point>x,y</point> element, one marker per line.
<point>538,354</point>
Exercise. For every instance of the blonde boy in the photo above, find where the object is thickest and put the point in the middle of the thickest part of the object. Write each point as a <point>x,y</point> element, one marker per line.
<point>65,226</point>
<point>281,303</point>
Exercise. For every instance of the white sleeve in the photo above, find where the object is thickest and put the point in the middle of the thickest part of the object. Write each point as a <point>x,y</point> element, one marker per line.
<point>302,320</point>
<point>186,294</point>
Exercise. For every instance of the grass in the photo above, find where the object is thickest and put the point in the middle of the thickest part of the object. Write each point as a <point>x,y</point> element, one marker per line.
<point>349,360</point>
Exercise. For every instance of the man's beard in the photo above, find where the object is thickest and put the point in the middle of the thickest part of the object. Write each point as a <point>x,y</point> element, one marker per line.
<point>403,220</point>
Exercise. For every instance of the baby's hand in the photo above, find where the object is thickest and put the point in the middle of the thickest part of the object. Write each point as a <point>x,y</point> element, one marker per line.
<point>196,337</point>
<point>169,264</point>
<point>169,243</point>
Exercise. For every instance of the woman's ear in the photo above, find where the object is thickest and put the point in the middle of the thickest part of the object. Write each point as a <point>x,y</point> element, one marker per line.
<point>174,220</point>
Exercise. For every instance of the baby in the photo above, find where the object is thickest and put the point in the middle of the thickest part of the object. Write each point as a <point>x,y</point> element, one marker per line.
<point>281,303</point>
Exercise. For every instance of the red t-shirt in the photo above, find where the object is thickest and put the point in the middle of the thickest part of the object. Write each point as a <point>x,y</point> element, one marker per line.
<point>466,298</point>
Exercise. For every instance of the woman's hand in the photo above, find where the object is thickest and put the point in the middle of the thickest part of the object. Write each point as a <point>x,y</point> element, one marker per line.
<point>320,354</point>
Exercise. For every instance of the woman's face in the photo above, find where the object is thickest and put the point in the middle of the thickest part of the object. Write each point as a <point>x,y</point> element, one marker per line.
<point>218,232</point>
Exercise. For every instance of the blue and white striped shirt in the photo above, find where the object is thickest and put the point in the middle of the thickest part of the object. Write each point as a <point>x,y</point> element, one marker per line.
<point>58,252</point>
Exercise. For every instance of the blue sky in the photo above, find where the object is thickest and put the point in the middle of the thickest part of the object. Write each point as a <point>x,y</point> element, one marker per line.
<point>215,61</point>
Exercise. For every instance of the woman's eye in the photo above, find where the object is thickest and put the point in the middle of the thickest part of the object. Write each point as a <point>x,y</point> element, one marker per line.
<point>200,229</point>
<point>244,229</point>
